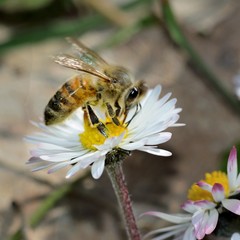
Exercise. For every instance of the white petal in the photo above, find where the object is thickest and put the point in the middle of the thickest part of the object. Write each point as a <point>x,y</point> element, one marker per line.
<point>74,170</point>
<point>134,145</point>
<point>58,167</point>
<point>167,235</point>
<point>158,138</point>
<point>177,218</point>
<point>171,229</point>
<point>87,159</point>
<point>82,162</point>
<point>98,167</point>
<point>51,140</point>
<point>233,205</point>
<point>155,151</point>
<point>189,234</point>
<point>60,157</point>
<point>34,160</point>
<point>42,166</point>
<point>232,168</point>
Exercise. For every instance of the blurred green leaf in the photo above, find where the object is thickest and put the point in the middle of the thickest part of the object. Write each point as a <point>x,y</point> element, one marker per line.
<point>124,34</point>
<point>13,5</point>
<point>18,235</point>
<point>2,1</point>
<point>49,203</point>
<point>57,29</point>
<point>62,28</point>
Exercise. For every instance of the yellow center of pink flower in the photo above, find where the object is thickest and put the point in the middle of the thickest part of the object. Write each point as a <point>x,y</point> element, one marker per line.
<point>196,193</point>
<point>92,136</point>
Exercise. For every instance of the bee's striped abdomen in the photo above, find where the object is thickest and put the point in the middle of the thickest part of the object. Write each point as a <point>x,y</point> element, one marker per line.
<point>72,95</point>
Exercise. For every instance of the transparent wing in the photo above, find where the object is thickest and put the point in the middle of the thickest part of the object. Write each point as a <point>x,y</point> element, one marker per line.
<point>79,65</point>
<point>87,55</point>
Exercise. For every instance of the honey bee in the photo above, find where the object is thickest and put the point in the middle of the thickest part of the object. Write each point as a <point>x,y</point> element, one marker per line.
<point>111,88</point>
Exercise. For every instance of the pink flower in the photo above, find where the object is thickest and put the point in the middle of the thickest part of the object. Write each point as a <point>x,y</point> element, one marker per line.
<point>203,214</point>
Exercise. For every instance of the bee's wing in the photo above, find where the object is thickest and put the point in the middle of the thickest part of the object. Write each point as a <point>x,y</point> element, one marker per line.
<point>87,55</point>
<point>77,64</point>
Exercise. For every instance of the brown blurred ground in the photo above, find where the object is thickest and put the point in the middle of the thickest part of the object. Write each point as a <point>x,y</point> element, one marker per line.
<point>29,78</point>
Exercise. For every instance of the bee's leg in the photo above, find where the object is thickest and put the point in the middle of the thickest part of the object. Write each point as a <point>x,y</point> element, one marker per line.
<point>112,114</point>
<point>138,108</point>
<point>119,110</point>
<point>95,121</point>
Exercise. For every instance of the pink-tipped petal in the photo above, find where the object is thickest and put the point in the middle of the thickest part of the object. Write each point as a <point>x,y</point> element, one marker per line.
<point>199,221</point>
<point>204,186</point>
<point>189,206</point>
<point>218,192</point>
<point>212,221</point>
<point>232,168</point>
<point>233,205</point>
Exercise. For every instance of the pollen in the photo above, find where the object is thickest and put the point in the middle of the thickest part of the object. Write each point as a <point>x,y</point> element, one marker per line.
<point>92,136</point>
<point>196,193</point>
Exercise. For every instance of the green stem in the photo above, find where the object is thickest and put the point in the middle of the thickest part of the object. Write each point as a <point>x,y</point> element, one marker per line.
<point>117,178</point>
<point>49,203</point>
<point>178,37</point>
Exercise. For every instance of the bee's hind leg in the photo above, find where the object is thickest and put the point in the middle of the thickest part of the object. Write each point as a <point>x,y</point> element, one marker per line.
<point>95,121</point>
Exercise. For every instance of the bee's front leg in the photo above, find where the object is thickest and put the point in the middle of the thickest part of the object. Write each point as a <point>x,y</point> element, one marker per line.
<point>138,108</point>
<point>112,114</point>
<point>95,121</point>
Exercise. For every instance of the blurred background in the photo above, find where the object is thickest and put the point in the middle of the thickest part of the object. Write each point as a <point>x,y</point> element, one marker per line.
<point>142,35</point>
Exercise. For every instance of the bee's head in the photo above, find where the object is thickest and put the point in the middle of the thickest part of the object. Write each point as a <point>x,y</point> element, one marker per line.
<point>119,76</point>
<point>134,94</point>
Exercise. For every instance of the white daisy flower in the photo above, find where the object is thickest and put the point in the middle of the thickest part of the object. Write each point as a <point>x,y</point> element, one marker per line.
<point>75,143</point>
<point>206,199</point>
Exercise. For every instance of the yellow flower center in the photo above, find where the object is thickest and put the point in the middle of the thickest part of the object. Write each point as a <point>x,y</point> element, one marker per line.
<point>196,193</point>
<point>92,136</point>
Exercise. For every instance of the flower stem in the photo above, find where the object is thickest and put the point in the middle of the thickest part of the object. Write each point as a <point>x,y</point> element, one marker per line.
<point>116,175</point>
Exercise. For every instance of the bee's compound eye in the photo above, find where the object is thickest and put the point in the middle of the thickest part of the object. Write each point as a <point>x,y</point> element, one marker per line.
<point>133,93</point>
